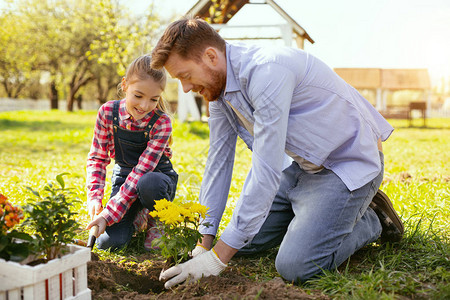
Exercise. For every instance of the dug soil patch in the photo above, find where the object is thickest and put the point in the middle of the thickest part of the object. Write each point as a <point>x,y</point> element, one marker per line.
<point>138,279</point>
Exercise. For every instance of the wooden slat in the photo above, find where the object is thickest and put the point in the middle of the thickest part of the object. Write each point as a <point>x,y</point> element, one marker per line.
<point>14,294</point>
<point>53,287</point>
<point>80,279</point>
<point>35,291</point>
<point>67,284</point>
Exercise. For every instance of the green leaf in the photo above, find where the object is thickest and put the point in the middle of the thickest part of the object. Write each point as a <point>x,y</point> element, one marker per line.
<point>20,235</point>
<point>60,179</point>
<point>3,242</point>
<point>33,191</point>
<point>19,252</point>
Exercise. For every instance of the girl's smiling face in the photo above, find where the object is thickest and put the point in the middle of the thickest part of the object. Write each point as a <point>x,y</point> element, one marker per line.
<point>141,96</point>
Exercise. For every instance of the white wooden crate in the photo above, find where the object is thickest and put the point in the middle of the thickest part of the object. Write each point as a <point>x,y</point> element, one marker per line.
<point>61,278</point>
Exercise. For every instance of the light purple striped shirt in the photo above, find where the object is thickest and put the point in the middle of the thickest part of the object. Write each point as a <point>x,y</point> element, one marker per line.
<point>296,103</point>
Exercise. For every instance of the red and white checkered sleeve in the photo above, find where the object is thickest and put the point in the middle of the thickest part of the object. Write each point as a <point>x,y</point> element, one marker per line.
<point>121,202</point>
<point>98,157</point>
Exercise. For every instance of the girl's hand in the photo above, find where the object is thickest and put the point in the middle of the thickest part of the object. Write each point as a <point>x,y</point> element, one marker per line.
<point>100,222</point>
<point>94,208</point>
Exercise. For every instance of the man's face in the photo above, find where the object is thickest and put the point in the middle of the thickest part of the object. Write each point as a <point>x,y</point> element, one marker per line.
<point>203,77</point>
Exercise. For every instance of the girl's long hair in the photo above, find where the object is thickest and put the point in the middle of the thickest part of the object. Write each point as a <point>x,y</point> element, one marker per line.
<point>140,68</point>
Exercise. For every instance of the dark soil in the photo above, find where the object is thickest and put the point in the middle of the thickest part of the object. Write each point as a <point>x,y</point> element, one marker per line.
<point>138,279</point>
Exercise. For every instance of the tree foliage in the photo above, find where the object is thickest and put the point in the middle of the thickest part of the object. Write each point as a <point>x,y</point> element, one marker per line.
<point>70,44</point>
<point>17,59</point>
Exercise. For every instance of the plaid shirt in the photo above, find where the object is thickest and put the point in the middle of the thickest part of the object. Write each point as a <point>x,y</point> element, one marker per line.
<point>102,150</point>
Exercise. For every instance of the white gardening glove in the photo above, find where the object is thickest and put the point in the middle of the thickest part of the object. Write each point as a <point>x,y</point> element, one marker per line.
<point>199,249</point>
<point>205,264</point>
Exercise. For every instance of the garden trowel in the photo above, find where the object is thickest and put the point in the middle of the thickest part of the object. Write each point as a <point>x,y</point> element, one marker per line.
<point>93,232</point>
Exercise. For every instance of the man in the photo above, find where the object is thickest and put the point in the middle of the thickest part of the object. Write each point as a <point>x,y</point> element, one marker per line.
<point>281,101</point>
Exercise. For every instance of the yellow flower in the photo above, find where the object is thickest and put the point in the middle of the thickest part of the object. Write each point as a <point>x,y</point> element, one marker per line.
<point>162,204</point>
<point>199,208</point>
<point>186,213</point>
<point>170,216</point>
<point>173,214</point>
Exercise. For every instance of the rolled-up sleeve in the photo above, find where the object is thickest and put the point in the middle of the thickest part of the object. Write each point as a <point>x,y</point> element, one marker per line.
<point>219,168</point>
<point>270,89</point>
<point>118,205</point>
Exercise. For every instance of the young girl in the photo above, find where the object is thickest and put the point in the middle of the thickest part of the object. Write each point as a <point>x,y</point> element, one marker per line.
<point>135,132</point>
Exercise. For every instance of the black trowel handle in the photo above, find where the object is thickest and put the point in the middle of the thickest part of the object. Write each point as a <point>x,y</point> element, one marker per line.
<point>93,232</point>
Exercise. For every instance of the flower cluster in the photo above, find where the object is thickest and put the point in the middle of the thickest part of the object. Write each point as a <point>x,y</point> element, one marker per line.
<point>178,224</point>
<point>14,245</point>
<point>9,215</point>
<point>174,215</point>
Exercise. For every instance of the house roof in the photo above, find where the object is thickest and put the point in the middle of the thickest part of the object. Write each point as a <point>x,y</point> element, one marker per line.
<point>204,9</point>
<point>390,79</point>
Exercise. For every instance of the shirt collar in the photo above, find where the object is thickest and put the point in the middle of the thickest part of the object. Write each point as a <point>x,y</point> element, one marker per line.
<point>232,84</point>
<point>124,115</point>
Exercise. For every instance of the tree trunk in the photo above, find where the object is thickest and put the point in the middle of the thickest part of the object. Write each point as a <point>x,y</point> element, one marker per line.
<point>74,89</point>
<point>79,99</point>
<point>53,95</point>
<point>7,89</point>
<point>79,79</point>
<point>103,90</point>
<point>70,103</point>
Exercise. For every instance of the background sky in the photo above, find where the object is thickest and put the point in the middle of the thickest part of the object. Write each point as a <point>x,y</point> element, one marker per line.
<point>352,33</point>
<point>355,33</point>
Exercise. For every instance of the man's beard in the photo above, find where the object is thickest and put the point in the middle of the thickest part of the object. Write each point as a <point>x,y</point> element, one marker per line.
<point>218,81</point>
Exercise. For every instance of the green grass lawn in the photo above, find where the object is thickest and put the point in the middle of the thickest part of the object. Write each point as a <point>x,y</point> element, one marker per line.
<point>36,146</point>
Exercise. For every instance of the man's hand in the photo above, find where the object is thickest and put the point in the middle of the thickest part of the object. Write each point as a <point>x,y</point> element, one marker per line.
<point>199,249</point>
<point>205,264</point>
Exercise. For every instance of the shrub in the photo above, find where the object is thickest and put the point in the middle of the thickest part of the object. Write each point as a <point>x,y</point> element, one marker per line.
<point>49,216</point>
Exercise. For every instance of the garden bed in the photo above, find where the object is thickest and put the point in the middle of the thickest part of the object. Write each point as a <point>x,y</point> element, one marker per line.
<point>138,279</point>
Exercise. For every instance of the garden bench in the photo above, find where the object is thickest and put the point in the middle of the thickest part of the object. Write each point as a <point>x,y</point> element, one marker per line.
<point>405,112</point>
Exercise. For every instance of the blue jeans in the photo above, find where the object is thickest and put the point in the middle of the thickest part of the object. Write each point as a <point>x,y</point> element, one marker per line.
<point>151,186</point>
<point>317,222</point>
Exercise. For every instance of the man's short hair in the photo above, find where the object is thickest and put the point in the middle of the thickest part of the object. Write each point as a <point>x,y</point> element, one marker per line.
<point>187,37</point>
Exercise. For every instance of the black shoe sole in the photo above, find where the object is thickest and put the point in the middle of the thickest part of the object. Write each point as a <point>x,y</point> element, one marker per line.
<point>393,228</point>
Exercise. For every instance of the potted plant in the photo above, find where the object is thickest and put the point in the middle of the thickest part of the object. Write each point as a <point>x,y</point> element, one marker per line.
<point>62,269</point>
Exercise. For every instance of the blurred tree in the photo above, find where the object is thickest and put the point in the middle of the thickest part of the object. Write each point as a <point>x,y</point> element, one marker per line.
<point>71,43</point>
<point>106,80</point>
<point>221,11</point>
<point>48,36</point>
<point>123,37</point>
<point>16,59</point>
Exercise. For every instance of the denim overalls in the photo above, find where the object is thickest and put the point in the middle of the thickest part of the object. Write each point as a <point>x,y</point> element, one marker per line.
<point>156,185</point>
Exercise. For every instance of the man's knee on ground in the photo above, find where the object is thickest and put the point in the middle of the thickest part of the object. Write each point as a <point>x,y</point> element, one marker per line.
<point>297,269</point>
